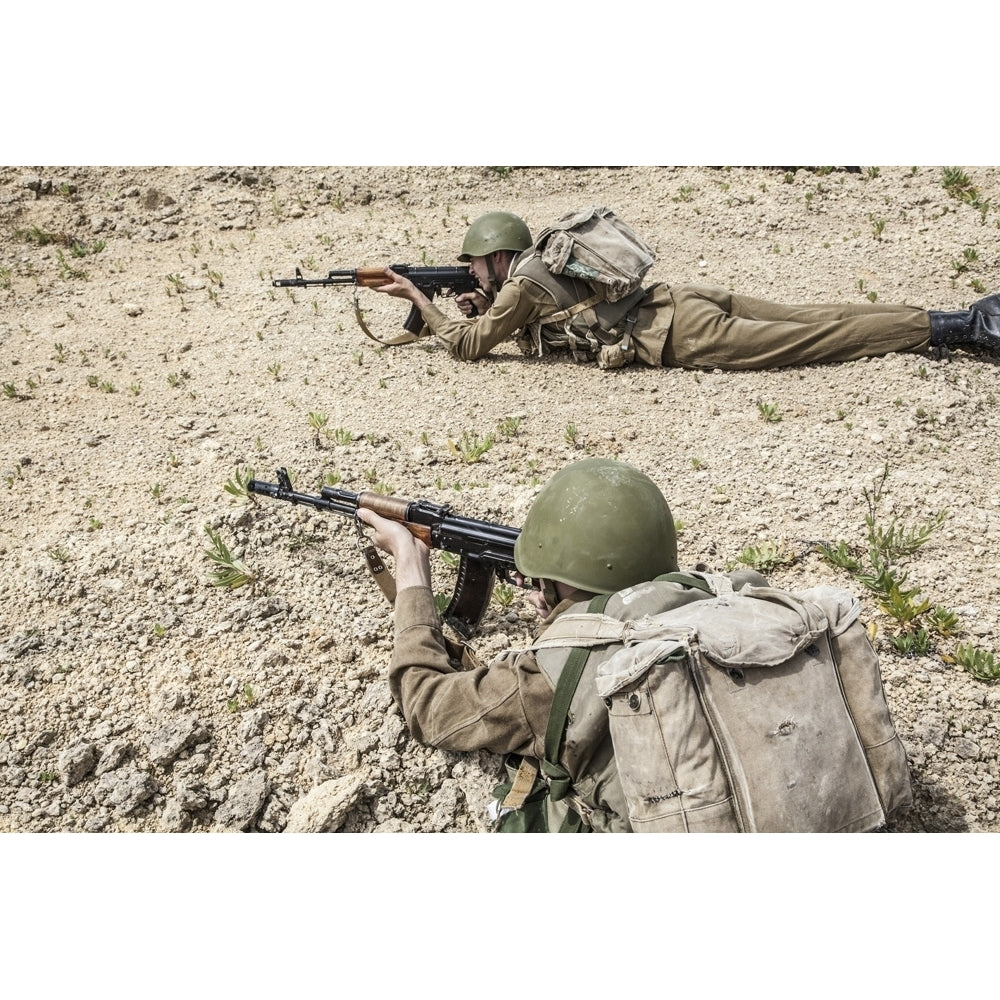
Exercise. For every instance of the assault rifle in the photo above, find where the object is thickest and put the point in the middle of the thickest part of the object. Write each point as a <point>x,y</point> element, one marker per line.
<point>430,280</point>
<point>486,550</point>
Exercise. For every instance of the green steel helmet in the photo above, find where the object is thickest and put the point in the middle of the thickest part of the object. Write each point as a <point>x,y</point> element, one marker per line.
<point>598,525</point>
<point>495,231</point>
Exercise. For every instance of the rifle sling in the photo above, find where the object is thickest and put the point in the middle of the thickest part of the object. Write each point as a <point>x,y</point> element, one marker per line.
<point>403,338</point>
<point>379,571</point>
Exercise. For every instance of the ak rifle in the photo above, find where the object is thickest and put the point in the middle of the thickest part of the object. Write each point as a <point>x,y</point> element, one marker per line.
<point>485,550</point>
<point>430,280</point>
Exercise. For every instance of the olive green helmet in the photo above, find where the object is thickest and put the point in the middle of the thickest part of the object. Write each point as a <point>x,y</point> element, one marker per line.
<point>495,231</point>
<point>598,525</point>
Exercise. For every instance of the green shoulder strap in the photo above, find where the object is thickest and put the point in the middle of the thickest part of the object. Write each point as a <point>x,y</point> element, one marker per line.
<point>686,580</point>
<point>569,679</point>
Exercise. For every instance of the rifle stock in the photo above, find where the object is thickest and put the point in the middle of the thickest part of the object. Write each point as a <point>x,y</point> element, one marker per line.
<point>485,549</point>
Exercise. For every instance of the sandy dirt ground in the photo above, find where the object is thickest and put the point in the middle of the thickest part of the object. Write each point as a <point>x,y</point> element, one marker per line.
<point>147,361</point>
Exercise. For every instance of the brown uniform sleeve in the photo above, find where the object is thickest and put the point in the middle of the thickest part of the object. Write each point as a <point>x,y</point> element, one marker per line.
<point>502,707</point>
<point>516,305</point>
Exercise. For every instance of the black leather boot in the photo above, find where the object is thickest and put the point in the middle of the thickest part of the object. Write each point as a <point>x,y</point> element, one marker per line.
<point>976,328</point>
<point>990,305</point>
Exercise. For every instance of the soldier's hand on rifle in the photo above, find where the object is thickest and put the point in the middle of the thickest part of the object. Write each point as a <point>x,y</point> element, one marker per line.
<point>540,595</point>
<point>411,556</point>
<point>472,303</point>
<point>401,288</point>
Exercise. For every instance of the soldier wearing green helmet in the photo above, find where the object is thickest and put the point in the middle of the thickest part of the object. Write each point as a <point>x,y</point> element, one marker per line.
<point>598,530</point>
<point>599,526</point>
<point>689,326</point>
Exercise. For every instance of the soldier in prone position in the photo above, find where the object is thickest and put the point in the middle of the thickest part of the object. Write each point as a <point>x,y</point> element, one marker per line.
<point>689,326</point>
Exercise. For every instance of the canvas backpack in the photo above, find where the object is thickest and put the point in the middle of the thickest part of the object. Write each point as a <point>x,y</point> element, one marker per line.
<point>595,252</point>
<point>595,246</point>
<point>757,710</point>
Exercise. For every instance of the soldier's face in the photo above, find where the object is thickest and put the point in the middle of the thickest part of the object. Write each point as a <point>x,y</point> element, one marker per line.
<point>479,267</point>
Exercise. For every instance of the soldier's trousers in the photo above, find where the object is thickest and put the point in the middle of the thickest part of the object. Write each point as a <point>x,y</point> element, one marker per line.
<point>714,328</point>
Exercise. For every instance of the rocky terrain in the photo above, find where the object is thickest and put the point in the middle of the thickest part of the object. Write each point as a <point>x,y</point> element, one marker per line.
<point>147,363</point>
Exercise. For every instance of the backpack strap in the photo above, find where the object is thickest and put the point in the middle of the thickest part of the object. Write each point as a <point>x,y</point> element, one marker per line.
<point>560,784</point>
<point>687,580</point>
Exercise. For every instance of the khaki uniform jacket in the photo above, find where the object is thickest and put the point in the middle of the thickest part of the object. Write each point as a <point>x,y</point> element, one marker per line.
<point>698,326</point>
<point>522,302</point>
<point>504,706</point>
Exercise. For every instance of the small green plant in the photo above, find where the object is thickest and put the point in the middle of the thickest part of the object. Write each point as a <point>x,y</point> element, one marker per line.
<point>911,643</point>
<point>274,369</point>
<point>878,228</point>
<point>66,270</point>
<point>959,185</point>
<point>768,412</point>
<point>942,622</point>
<point>764,558</point>
<point>341,435</point>
<point>236,485</point>
<point>39,236</point>
<point>900,604</point>
<point>508,427</point>
<point>60,555</point>
<point>981,664</point>
<point>229,570</point>
<point>504,594</point>
<point>571,435</point>
<point>94,524</point>
<point>318,422</point>
<point>470,448</point>
<point>840,556</point>
<point>159,630</point>
<point>887,545</point>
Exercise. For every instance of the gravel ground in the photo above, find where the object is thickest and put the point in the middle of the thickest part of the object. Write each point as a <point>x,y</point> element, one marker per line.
<point>146,360</point>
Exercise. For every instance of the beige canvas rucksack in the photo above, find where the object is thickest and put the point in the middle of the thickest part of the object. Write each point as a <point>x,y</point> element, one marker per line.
<point>592,264</point>
<point>757,710</point>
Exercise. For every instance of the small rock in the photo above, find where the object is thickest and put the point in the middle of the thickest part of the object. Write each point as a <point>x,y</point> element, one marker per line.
<point>76,762</point>
<point>324,809</point>
<point>245,800</point>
